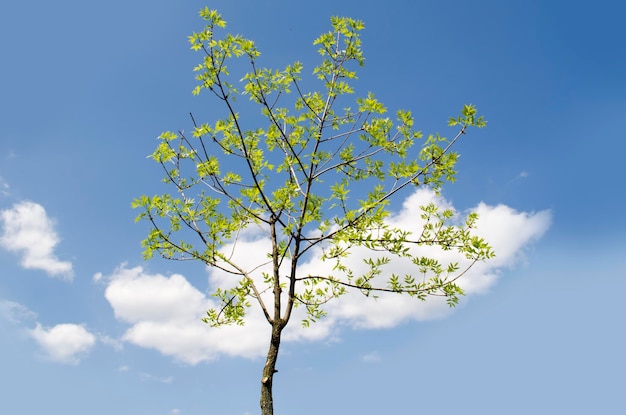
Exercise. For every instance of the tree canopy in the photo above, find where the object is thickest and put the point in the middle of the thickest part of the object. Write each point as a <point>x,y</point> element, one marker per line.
<point>313,170</point>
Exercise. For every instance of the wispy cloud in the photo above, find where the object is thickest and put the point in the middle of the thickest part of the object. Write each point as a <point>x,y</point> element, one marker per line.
<point>116,344</point>
<point>29,231</point>
<point>148,377</point>
<point>64,343</point>
<point>4,187</point>
<point>15,313</point>
<point>165,312</point>
<point>371,357</point>
<point>10,155</point>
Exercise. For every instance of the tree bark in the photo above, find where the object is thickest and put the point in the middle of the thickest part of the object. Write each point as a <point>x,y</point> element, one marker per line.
<point>267,400</point>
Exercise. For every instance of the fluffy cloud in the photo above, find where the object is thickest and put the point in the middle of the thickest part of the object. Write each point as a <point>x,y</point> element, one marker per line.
<point>507,231</point>
<point>27,229</point>
<point>165,312</point>
<point>64,343</point>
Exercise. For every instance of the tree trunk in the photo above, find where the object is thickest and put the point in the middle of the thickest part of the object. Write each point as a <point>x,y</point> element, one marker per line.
<point>267,400</point>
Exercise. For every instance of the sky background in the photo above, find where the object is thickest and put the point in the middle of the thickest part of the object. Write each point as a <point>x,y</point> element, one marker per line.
<point>86,325</point>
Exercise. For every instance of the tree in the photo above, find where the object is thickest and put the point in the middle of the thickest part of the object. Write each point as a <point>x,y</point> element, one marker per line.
<point>289,170</point>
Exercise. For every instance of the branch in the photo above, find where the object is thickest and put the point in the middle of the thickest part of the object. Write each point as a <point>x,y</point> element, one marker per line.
<point>236,270</point>
<point>266,202</point>
<point>427,290</point>
<point>270,112</point>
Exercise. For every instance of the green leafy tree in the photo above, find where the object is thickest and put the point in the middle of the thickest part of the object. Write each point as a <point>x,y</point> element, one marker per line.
<point>291,176</point>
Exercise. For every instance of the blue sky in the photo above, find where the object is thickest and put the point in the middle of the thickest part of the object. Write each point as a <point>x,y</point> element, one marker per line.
<point>86,88</point>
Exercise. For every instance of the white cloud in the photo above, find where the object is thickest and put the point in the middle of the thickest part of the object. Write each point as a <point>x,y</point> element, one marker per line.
<point>27,229</point>
<point>64,343</point>
<point>507,231</point>
<point>165,312</point>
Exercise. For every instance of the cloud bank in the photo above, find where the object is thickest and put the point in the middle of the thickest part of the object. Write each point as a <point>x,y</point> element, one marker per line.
<point>28,230</point>
<point>164,312</point>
